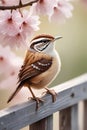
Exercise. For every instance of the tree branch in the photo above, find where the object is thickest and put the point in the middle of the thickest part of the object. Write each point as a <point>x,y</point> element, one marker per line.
<point>18,6</point>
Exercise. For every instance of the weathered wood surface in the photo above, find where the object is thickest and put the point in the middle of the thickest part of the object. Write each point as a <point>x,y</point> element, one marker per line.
<point>74,117</point>
<point>69,93</point>
<point>44,124</point>
<point>68,118</point>
<point>65,119</point>
<point>85,116</point>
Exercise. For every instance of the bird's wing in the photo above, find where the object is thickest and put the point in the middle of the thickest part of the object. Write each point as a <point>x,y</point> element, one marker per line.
<point>29,71</point>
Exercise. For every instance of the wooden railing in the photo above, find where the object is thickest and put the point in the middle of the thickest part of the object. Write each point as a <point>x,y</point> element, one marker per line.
<point>68,98</point>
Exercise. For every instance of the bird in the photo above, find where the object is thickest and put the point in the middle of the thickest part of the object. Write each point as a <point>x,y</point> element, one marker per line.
<point>40,67</point>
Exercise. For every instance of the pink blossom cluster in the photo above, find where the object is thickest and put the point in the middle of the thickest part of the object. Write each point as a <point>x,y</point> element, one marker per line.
<point>56,10</point>
<point>10,64</point>
<point>17,26</point>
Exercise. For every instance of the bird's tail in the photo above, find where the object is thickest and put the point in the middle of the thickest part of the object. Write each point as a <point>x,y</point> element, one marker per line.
<point>15,92</point>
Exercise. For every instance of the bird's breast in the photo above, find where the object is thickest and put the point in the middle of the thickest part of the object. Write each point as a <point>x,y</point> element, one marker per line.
<point>48,76</point>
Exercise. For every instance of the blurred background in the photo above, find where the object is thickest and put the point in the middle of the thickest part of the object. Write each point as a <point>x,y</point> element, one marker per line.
<point>72,48</point>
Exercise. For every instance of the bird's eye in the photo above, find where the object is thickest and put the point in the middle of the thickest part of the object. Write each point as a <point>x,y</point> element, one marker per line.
<point>45,41</point>
<point>41,46</point>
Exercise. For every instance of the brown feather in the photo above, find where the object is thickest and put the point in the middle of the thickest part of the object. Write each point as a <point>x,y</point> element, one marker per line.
<point>43,36</point>
<point>35,65</point>
<point>15,92</point>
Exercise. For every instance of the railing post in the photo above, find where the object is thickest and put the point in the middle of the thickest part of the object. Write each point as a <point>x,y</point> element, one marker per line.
<point>74,117</point>
<point>44,124</point>
<point>68,118</point>
<point>65,119</point>
<point>85,116</point>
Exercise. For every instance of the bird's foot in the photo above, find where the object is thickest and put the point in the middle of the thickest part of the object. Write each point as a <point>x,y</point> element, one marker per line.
<point>53,93</point>
<point>38,101</point>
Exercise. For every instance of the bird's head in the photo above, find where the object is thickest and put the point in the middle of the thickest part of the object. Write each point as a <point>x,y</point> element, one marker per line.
<point>43,43</point>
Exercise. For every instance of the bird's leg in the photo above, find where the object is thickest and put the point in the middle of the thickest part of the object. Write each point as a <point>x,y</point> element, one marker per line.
<point>52,92</point>
<point>37,99</point>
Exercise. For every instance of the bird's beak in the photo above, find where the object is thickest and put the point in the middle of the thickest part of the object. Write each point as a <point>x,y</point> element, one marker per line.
<point>58,37</point>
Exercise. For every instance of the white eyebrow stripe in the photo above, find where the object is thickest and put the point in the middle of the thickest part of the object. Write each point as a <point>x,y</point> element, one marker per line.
<point>39,39</point>
<point>36,40</point>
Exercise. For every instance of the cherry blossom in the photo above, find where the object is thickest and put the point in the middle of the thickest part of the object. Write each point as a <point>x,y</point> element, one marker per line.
<point>62,10</point>
<point>44,7</point>
<point>9,22</point>
<point>30,23</point>
<point>16,27</point>
<point>9,66</point>
<point>19,40</point>
<point>10,82</point>
<point>57,10</point>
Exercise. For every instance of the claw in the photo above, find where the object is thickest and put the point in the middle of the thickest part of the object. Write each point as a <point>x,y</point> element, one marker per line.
<point>53,93</point>
<point>38,100</point>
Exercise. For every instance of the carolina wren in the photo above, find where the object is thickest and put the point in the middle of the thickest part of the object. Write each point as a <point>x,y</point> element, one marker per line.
<point>40,67</point>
